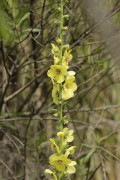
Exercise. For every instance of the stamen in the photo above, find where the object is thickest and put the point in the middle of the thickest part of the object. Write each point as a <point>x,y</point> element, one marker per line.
<point>59,161</point>
<point>67,86</point>
<point>67,58</point>
<point>58,71</point>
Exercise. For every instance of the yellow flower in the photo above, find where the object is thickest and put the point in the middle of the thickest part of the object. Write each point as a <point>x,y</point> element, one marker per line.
<point>59,162</point>
<point>54,146</point>
<point>68,134</point>
<point>57,72</point>
<point>68,88</point>
<point>66,58</point>
<point>70,168</point>
<point>70,150</point>
<point>70,78</point>
<point>56,52</point>
<point>55,94</point>
<point>59,134</point>
<point>55,49</point>
<point>71,73</point>
<point>52,174</point>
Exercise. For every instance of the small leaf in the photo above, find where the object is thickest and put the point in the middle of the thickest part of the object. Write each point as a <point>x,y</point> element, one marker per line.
<point>24,18</point>
<point>106,137</point>
<point>89,155</point>
<point>5,29</point>
<point>30,29</point>
<point>7,124</point>
<point>109,153</point>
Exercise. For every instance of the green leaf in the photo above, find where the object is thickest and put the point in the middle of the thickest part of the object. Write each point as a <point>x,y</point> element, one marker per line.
<point>9,125</point>
<point>10,2</point>
<point>41,138</point>
<point>87,158</point>
<point>13,4</point>
<point>30,29</point>
<point>109,153</point>
<point>5,29</point>
<point>106,137</point>
<point>24,18</point>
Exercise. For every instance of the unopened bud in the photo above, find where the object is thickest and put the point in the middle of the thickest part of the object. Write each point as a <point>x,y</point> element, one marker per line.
<point>66,16</point>
<point>54,110</point>
<point>60,134</point>
<point>55,115</point>
<point>65,117</point>
<point>65,28</point>
<point>66,122</point>
<point>66,46</point>
<point>59,9</point>
<point>59,41</point>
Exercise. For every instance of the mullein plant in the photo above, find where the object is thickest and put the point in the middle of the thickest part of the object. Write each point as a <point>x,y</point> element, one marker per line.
<point>63,89</point>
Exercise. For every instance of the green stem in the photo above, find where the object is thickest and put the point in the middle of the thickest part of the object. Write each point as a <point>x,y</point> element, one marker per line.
<point>61,49</point>
<point>61,29</point>
<point>59,177</point>
<point>61,117</point>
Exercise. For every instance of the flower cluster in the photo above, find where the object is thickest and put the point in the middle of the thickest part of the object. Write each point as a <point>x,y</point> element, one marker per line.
<point>60,74</point>
<point>60,160</point>
<point>64,87</point>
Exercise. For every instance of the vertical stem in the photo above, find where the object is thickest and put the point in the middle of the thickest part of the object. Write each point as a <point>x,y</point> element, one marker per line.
<point>61,117</point>
<point>61,49</point>
<point>61,28</point>
<point>59,177</point>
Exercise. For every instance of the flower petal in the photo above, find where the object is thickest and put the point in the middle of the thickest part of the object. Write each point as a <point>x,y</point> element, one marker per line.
<point>71,73</point>
<point>71,170</point>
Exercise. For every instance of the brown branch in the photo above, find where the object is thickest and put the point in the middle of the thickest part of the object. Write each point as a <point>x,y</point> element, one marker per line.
<point>5,165</point>
<point>23,88</point>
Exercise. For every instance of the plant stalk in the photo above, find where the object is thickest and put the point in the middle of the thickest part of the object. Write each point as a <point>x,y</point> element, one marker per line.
<point>61,51</point>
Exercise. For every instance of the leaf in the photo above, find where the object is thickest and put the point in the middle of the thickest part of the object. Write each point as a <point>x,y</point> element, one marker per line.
<point>5,29</point>
<point>109,153</point>
<point>87,145</point>
<point>7,124</point>
<point>30,29</point>
<point>10,2</point>
<point>106,137</point>
<point>89,155</point>
<point>13,4</point>
<point>41,138</point>
<point>24,18</point>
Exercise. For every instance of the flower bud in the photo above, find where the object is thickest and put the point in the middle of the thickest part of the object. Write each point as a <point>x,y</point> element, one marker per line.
<point>65,117</point>
<point>55,115</point>
<point>59,134</point>
<point>66,46</point>
<point>65,28</point>
<point>66,16</point>
<point>54,110</point>
<point>59,9</point>
<point>66,122</point>
<point>59,41</point>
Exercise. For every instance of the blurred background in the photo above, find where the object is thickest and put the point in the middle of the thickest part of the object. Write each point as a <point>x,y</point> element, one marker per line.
<point>27,29</point>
